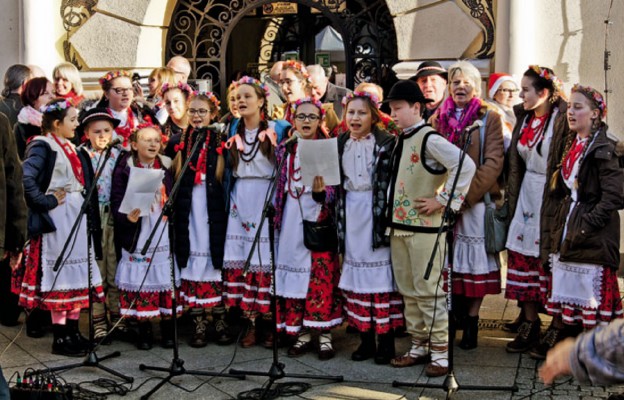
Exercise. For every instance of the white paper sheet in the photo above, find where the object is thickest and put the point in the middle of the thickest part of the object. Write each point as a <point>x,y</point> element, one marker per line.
<point>143,185</point>
<point>319,158</point>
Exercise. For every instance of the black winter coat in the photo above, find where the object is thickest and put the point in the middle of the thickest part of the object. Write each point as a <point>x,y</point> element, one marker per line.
<point>593,229</point>
<point>23,132</point>
<point>382,170</point>
<point>215,199</point>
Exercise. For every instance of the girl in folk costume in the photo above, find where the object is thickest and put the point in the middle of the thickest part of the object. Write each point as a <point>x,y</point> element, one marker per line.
<point>250,168</point>
<point>306,282</point>
<point>177,98</point>
<point>475,272</point>
<point>53,183</point>
<point>581,206</point>
<point>386,120</point>
<point>373,304</point>
<point>537,141</point>
<point>144,281</point>
<point>118,99</point>
<point>200,222</point>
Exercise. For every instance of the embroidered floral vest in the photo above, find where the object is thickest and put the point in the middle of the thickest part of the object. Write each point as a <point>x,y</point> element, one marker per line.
<point>414,179</point>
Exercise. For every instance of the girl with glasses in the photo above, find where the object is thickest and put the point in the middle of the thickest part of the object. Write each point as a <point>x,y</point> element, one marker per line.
<point>309,302</point>
<point>118,99</point>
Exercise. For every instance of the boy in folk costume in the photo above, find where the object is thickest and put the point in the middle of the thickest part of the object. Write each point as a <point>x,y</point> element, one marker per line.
<point>99,128</point>
<point>424,167</point>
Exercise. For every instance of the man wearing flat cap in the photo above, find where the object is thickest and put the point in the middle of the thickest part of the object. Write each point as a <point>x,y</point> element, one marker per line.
<point>432,80</point>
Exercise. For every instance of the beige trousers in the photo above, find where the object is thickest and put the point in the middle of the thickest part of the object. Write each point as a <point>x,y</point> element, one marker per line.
<point>425,300</point>
<point>107,266</point>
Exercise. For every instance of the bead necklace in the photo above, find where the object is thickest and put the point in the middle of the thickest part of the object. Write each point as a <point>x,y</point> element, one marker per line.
<point>294,175</point>
<point>533,132</point>
<point>572,157</point>
<point>248,156</point>
<point>200,167</point>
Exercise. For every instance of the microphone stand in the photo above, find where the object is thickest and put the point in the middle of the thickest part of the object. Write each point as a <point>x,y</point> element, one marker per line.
<point>176,368</point>
<point>450,384</point>
<point>276,371</point>
<point>91,359</point>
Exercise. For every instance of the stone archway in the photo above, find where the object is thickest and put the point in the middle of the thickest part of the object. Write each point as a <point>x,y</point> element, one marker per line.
<point>200,31</point>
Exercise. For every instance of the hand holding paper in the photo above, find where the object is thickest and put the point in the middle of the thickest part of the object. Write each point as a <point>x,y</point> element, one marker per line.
<point>143,185</point>
<point>319,158</point>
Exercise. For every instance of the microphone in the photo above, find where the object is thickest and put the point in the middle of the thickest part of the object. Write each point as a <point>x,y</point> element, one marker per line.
<point>114,142</point>
<point>475,125</point>
<point>217,127</point>
<point>290,142</point>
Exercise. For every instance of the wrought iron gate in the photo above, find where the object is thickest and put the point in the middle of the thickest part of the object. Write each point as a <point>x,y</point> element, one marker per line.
<point>200,31</point>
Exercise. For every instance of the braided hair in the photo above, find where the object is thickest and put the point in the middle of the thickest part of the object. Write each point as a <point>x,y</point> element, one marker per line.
<point>265,147</point>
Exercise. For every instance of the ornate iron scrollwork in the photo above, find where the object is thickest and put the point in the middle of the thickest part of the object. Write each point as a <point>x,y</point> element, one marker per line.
<point>200,29</point>
<point>74,14</point>
<point>483,12</point>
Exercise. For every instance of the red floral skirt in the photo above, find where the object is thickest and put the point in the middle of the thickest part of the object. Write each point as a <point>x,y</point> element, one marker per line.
<point>475,286</point>
<point>609,308</point>
<point>523,277</point>
<point>322,307</point>
<point>147,305</point>
<point>379,311</point>
<point>252,293</point>
<point>201,294</point>
<point>28,280</point>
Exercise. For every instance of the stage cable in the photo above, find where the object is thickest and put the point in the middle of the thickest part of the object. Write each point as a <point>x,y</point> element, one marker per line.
<point>607,54</point>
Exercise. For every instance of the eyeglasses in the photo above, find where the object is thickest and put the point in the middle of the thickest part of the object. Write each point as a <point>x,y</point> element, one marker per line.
<point>201,112</point>
<point>119,90</point>
<point>509,91</point>
<point>303,117</point>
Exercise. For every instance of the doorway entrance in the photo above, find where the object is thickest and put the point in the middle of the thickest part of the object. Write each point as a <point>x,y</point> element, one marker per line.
<point>220,37</point>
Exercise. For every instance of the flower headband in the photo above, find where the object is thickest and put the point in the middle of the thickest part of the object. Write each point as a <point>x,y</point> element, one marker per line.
<point>593,95</point>
<point>181,85</point>
<point>112,75</point>
<point>211,97</point>
<point>248,80</point>
<point>309,100</point>
<point>56,106</point>
<point>544,73</point>
<point>293,64</point>
<point>361,95</point>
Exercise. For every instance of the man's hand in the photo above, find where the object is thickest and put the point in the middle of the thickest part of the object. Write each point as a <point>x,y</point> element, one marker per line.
<point>557,361</point>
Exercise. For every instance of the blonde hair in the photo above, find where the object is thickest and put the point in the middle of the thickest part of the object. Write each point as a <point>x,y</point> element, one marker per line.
<point>368,87</point>
<point>69,71</point>
<point>469,71</point>
<point>164,75</point>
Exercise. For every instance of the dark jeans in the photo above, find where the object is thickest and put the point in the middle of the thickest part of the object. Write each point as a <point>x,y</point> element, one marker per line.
<point>10,311</point>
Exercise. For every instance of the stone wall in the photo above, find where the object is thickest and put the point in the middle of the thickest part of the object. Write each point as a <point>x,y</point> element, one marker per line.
<point>10,31</point>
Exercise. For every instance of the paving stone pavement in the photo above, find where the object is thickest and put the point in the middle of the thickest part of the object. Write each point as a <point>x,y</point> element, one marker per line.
<point>489,365</point>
